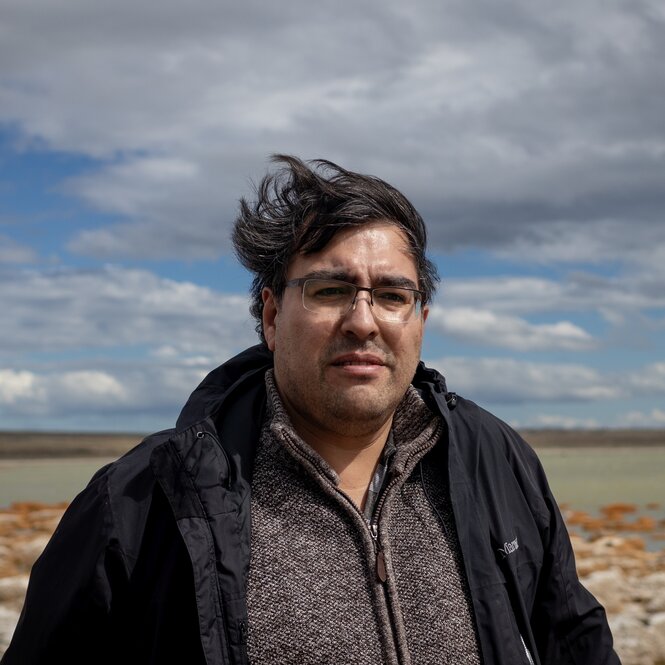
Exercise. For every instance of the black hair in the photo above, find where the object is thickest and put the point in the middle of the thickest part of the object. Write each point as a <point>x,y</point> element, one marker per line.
<point>299,208</point>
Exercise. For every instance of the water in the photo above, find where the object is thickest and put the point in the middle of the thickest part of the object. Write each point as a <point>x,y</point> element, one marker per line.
<point>581,478</point>
<point>45,480</point>
<point>586,478</point>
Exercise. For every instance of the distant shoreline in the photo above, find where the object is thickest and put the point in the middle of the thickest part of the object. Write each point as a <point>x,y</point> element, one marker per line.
<point>15,444</point>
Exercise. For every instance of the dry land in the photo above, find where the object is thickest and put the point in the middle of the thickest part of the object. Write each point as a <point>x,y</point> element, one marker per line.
<point>27,445</point>
<point>597,438</point>
<point>624,576</point>
<point>81,444</point>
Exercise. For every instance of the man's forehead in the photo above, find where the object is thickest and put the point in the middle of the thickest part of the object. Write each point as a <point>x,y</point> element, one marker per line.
<point>379,247</point>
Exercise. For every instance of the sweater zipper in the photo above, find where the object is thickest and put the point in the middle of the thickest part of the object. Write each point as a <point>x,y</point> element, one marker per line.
<point>373,526</point>
<point>380,557</point>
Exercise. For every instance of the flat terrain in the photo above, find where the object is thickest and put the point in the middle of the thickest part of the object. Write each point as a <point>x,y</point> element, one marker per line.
<point>597,438</point>
<point>15,445</point>
<point>65,444</point>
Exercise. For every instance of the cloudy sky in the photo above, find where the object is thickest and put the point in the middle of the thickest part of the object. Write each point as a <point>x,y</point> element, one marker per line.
<point>530,135</point>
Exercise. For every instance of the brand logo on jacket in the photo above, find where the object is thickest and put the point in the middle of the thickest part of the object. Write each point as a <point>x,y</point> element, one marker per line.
<point>509,547</point>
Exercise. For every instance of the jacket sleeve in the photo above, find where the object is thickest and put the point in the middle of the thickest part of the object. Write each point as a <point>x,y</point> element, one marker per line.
<point>569,625</point>
<point>67,613</point>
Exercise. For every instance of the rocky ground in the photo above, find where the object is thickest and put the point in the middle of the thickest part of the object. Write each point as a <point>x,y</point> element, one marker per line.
<point>617,569</point>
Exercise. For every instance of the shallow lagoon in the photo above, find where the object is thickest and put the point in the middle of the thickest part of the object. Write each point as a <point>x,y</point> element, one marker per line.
<point>581,478</point>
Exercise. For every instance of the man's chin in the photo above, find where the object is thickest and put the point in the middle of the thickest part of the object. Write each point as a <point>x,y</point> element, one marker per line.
<point>360,405</point>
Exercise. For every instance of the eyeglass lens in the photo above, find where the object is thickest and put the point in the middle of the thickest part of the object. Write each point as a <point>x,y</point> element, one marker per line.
<point>335,298</point>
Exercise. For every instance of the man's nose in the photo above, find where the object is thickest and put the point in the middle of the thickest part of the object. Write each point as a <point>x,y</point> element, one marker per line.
<point>360,321</point>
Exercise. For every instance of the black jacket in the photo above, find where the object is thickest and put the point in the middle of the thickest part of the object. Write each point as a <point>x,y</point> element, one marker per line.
<point>149,562</point>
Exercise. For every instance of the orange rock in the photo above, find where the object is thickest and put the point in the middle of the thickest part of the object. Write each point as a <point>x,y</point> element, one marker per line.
<point>577,517</point>
<point>617,509</point>
<point>643,523</point>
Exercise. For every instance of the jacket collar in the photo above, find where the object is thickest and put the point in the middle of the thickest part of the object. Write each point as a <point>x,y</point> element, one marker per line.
<point>220,384</point>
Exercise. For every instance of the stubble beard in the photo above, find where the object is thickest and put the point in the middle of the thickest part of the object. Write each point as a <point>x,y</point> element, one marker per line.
<point>346,411</point>
<point>352,416</point>
<point>356,410</point>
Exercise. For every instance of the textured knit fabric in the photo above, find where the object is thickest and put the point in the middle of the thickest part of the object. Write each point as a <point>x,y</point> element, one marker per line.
<point>313,593</point>
<point>428,572</point>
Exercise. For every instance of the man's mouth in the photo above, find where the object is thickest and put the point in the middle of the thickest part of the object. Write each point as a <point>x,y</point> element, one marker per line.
<point>361,361</point>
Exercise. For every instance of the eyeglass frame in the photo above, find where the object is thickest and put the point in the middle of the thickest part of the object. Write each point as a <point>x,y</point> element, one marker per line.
<point>301,281</point>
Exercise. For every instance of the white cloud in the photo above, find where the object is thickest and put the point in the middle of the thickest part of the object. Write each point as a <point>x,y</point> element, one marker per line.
<point>653,418</point>
<point>650,379</point>
<point>16,385</point>
<point>91,385</point>
<point>505,294</point>
<point>117,191</point>
<point>119,389</point>
<point>499,330</point>
<point>507,380</point>
<point>504,380</point>
<point>493,310</point>
<point>576,291</point>
<point>27,392</point>
<point>115,307</point>
<point>549,421</point>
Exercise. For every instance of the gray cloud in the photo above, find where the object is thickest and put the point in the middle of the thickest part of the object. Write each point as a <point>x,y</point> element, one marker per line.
<point>534,131</point>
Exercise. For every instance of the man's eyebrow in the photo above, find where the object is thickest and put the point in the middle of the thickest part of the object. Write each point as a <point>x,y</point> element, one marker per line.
<point>328,274</point>
<point>383,280</point>
<point>396,280</point>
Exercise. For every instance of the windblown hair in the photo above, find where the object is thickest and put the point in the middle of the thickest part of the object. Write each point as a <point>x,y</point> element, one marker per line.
<point>298,209</point>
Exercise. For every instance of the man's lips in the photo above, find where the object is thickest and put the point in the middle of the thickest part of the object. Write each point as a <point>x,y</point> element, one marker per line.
<point>355,359</point>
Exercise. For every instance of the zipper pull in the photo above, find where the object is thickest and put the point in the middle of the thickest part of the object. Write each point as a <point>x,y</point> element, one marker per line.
<point>381,572</point>
<point>381,566</point>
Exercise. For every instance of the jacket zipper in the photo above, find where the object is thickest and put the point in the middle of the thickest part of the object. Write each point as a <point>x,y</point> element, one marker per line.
<point>526,650</point>
<point>225,647</point>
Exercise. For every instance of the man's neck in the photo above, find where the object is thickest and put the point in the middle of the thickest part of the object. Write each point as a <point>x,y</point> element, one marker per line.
<point>353,458</point>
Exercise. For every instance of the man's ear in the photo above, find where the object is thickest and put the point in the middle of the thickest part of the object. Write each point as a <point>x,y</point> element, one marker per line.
<point>269,317</point>
<point>425,312</point>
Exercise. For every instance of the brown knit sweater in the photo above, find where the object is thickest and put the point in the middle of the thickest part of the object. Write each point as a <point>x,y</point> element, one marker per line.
<point>313,592</point>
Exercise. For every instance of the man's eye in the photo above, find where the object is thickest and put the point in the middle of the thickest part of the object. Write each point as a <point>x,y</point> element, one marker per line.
<point>393,297</point>
<point>330,291</point>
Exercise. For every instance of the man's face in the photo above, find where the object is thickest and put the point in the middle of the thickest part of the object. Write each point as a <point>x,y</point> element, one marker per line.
<point>345,376</point>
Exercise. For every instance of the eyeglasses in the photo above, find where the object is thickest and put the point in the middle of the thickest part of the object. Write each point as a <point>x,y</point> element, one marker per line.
<point>333,298</point>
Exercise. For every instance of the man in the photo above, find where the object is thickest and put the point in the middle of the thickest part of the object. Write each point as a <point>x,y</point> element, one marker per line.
<point>323,498</point>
